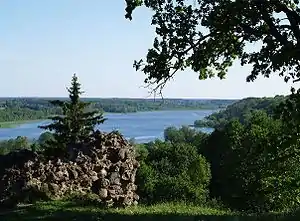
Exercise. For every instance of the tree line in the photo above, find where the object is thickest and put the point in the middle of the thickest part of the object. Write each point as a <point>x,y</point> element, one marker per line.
<point>17,109</point>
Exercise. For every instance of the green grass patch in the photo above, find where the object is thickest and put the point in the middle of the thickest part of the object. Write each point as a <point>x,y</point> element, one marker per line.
<point>72,210</point>
<point>14,124</point>
<point>159,209</point>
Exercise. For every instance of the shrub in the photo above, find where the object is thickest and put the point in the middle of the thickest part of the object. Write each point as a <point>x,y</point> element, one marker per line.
<point>173,172</point>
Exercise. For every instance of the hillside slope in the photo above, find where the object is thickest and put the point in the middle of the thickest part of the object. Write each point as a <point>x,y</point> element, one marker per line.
<point>240,110</point>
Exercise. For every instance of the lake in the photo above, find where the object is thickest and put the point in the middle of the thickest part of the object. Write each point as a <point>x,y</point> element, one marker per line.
<point>142,126</point>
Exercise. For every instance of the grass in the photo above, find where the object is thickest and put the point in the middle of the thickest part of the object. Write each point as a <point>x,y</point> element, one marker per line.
<point>159,209</point>
<point>13,124</point>
<point>72,210</point>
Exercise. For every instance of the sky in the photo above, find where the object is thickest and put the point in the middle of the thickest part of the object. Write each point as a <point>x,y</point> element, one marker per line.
<point>43,43</point>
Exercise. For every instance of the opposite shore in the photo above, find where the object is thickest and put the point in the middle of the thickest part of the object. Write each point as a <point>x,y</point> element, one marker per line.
<point>17,123</point>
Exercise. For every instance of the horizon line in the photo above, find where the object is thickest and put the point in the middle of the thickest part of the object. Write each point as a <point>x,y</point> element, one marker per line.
<point>140,98</point>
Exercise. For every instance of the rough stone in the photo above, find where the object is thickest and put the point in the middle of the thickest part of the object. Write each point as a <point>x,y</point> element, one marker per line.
<point>103,193</point>
<point>105,167</point>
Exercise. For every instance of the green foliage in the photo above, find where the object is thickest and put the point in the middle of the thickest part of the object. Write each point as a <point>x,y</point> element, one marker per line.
<point>21,143</point>
<point>241,111</point>
<point>173,172</point>
<point>209,35</point>
<point>185,134</point>
<point>248,168</point>
<point>289,113</point>
<point>7,146</point>
<point>77,123</point>
<point>11,113</point>
<point>141,152</point>
<point>45,138</point>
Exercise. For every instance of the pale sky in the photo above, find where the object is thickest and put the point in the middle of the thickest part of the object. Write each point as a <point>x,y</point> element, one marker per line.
<point>42,43</point>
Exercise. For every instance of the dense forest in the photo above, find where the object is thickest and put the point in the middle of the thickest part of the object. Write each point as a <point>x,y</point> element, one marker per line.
<point>14,109</point>
<point>241,110</point>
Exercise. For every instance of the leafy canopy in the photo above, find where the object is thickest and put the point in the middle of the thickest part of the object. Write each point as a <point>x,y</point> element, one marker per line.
<point>253,167</point>
<point>172,172</point>
<point>209,35</point>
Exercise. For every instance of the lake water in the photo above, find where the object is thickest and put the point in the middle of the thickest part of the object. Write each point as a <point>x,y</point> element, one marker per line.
<point>142,126</point>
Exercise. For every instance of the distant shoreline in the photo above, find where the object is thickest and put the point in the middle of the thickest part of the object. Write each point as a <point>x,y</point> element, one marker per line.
<point>14,124</point>
<point>175,109</point>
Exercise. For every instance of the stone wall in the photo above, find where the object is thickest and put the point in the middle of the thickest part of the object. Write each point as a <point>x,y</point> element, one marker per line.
<point>106,167</point>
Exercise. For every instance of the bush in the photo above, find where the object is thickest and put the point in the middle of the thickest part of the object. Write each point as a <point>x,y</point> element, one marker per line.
<point>173,172</point>
<point>184,134</point>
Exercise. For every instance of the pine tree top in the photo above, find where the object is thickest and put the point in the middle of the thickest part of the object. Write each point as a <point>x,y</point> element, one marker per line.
<point>76,123</point>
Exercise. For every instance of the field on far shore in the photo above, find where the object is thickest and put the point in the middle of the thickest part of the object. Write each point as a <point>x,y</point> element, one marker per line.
<point>14,124</point>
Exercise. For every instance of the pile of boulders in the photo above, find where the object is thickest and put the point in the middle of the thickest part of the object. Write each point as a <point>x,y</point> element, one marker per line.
<point>106,167</point>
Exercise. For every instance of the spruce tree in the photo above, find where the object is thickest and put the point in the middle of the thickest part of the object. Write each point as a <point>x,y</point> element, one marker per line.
<point>76,123</point>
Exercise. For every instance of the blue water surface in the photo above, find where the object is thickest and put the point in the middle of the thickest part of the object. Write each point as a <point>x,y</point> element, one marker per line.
<point>142,126</point>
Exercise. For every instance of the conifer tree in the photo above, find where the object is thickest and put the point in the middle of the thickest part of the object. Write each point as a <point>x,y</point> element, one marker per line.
<point>76,123</point>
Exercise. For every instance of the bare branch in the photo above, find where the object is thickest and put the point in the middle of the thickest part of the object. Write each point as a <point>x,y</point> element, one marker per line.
<point>293,18</point>
<point>273,29</point>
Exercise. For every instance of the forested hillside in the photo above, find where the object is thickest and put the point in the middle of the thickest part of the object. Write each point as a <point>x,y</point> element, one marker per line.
<point>241,110</point>
<point>13,109</point>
